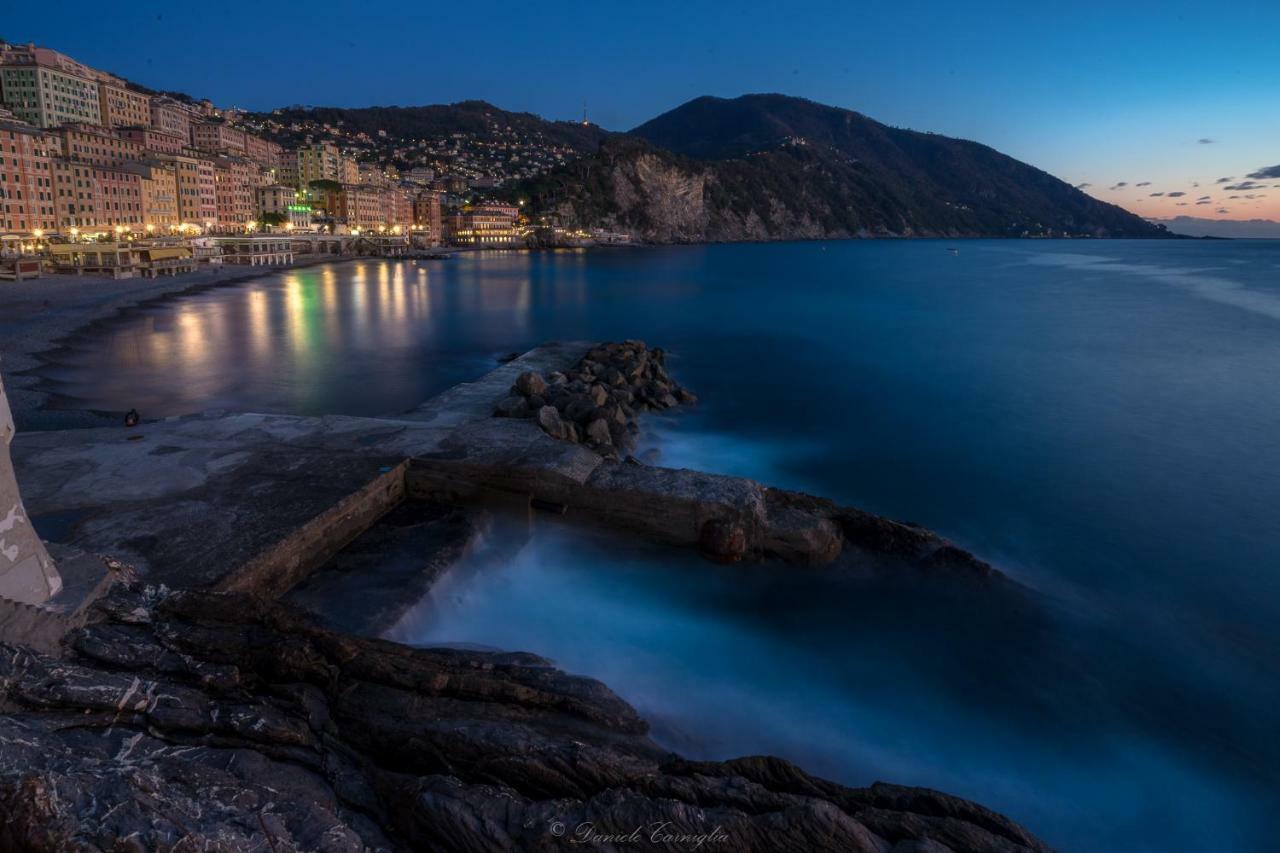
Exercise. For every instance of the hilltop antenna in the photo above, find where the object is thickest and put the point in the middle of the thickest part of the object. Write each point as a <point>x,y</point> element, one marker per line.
<point>584,113</point>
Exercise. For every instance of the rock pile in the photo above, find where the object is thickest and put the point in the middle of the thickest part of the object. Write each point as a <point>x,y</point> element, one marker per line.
<point>597,402</point>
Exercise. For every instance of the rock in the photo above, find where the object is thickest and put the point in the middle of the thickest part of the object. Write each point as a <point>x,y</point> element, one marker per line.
<point>509,357</point>
<point>598,395</point>
<point>535,402</point>
<point>598,433</point>
<point>686,396</point>
<point>556,378</point>
<point>580,410</point>
<point>511,407</point>
<point>667,401</point>
<point>722,541</point>
<point>530,383</point>
<point>551,423</point>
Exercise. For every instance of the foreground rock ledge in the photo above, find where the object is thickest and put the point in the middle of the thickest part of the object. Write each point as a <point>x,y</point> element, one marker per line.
<point>204,721</point>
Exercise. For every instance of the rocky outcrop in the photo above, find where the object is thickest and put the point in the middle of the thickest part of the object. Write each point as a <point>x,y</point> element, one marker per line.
<point>597,402</point>
<point>207,721</point>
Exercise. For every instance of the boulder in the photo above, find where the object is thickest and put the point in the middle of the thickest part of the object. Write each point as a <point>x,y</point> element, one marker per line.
<point>530,383</point>
<point>511,407</point>
<point>579,409</point>
<point>552,424</point>
<point>598,433</point>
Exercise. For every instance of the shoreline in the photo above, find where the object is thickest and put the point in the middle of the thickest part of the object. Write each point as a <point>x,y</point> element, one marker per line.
<point>39,316</point>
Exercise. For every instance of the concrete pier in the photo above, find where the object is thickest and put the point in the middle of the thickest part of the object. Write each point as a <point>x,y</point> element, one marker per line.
<point>253,502</point>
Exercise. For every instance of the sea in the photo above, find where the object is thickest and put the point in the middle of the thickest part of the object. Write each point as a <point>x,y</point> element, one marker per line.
<point>1098,419</point>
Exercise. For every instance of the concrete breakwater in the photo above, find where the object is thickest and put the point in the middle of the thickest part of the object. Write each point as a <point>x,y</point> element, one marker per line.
<point>199,681</point>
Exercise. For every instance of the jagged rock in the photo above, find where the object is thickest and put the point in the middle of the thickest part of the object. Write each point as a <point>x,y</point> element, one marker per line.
<point>530,383</point>
<point>551,423</point>
<point>204,721</point>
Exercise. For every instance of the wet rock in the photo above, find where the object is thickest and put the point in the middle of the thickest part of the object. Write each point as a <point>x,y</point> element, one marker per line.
<point>598,395</point>
<point>552,424</point>
<point>722,541</point>
<point>598,432</point>
<point>530,383</point>
<point>312,740</point>
<point>511,407</point>
<point>580,410</point>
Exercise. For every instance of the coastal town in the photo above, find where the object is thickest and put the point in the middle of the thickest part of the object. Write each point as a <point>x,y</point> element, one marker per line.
<point>101,175</point>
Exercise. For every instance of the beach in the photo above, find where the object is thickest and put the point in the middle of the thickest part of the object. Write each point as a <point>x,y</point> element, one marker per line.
<point>38,315</point>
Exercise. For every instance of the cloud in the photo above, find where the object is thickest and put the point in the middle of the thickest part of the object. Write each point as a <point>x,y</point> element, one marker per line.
<point>1256,195</point>
<point>1119,185</point>
<point>1182,204</point>
<point>1143,184</point>
<point>1225,180</point>
<point>1223,210</point>
<point>1230,197</point>
<point>1153,195</point>
<point>1195,183</point>
<point>1204,202</point>
<point>1266,172</point>
<point>1175,195</point>
<point>1205,198</point>
<point>1247,185</point>
<point>1205,141</point>
<point>1082,186</point>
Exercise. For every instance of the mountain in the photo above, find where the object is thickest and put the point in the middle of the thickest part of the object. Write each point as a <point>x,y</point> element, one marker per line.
<point>1195,226</point>
<point>440,120</point>
<point>765,167</point>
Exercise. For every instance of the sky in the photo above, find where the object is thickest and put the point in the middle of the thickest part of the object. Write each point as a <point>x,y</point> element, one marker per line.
<point>1166,108</point>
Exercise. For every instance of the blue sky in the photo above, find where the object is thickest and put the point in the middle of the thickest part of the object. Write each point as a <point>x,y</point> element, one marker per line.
<point>1097,93</point>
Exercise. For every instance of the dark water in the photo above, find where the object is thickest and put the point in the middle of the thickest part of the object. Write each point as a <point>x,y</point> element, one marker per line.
<point>1099,419</point>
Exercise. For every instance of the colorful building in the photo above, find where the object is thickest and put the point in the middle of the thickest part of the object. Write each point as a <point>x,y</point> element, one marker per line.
<point>26,178</point>
<point>121,106</point>
<point>46,88</point>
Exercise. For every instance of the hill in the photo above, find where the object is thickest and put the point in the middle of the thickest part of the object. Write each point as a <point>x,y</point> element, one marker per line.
<point>778,167</point>
<point>477,118</point>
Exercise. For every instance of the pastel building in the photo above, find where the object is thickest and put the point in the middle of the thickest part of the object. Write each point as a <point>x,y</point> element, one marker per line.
<point>196,188</point>
<point>46,88</point>
<point>154,141</point>
<point>171,116</point>
<point>235,182</point>
<point>283,201</point>
<point>121,106</point>
<point>319,161</point>
<point>217,137</point>
<point>159,187</point>
<point>26,178</point>
<point>86,143</point>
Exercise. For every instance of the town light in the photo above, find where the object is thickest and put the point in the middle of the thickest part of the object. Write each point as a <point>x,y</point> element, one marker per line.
<point>150,228</point>
<point>39,232</point>
<point>75,232</point>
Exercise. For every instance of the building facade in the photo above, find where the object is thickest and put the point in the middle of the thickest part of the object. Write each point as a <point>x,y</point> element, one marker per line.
<point>47,88</point>
<point>26,178</point>
<point>120,106</point>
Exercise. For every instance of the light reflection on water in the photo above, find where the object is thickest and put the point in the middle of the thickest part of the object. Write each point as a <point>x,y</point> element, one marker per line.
<point>1100,422</point>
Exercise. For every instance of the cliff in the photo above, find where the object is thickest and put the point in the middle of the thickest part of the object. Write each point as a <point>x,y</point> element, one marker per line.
<point>770,167</point>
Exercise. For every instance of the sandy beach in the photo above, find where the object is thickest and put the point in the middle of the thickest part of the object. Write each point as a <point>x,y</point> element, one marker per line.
<point>38,315</point>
